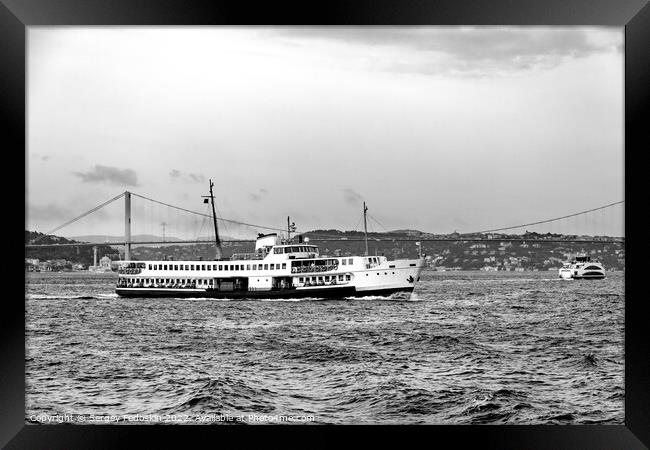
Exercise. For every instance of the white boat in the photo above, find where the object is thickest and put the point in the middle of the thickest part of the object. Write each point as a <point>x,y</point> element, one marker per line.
<point>276,269</point>
<point>582,267</point>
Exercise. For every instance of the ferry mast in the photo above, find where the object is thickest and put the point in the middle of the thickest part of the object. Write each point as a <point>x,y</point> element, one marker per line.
<point>365,226</point>
<point>219,252</point>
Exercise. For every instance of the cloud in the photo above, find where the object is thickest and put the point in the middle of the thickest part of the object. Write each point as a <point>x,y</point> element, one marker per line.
<point>186,176</point>
<point>41,157</point>
<point>256,197</point>
<point>469,50</point>
<point>110,175</point>
<point>351,196</point>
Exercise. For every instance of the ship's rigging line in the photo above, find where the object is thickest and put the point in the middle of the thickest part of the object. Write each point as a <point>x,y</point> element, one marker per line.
<point>378,223</point>
<point>198,233</point>
<point>358,222</point>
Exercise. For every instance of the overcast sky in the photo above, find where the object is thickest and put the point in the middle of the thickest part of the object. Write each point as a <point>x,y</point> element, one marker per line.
<point>436,128</point>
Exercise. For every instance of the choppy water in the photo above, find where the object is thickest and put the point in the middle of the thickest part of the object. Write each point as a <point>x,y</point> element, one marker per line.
<point>467,348</point>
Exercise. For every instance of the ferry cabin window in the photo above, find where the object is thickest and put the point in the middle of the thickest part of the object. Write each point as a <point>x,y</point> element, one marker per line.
<point>187,267</point>
<point>272,266</point>
<point>347,277</point>
<point>284,265</point>
<point>248,267</point>
<point>350,261</point>
<point>266,267</point>
<point>192,266</point>
<point>209,267</point>
<point>232,267</point>
<point>340,277</point>
<point>180,267</point>
<point>343,261</point>
<point>301,280</point>
<point>149,266</point>
<point>225,267</point>
<point>254,266</point>
<point>277,251</point>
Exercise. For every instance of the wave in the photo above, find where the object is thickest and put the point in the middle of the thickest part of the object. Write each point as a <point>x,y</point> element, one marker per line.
<point>65,297</point>
<point>589,360</point>
<point>303,299</point>
<point>225,394</point>
<point>397,296</point>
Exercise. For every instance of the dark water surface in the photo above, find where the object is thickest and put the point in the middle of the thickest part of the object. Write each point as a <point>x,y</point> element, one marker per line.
<point>467,348</point>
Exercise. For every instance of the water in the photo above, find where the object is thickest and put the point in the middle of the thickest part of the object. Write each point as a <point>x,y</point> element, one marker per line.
<point>467,348</point>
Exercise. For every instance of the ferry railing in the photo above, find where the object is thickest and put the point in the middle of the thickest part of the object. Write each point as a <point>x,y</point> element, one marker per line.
<point>155,286</point>
<point>313,269</point>
<point>246,256</point>
<point>324,283</point>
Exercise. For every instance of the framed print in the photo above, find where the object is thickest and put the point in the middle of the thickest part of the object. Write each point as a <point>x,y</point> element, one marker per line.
<point>352,214</point>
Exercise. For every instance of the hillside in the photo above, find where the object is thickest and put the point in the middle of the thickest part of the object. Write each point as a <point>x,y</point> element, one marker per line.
<point>76,255</point>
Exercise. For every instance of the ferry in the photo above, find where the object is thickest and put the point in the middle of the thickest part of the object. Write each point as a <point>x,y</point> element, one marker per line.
<point>582,267</point>
<point>277,268</point>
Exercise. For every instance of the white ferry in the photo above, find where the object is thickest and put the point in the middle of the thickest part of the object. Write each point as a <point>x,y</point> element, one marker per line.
<point>582,267</point>
<point>276,269</point>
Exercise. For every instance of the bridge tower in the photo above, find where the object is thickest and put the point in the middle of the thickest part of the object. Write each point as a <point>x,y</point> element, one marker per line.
<point>127,226</point>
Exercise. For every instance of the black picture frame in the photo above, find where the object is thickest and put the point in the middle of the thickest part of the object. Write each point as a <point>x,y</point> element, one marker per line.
<point>634,15</point>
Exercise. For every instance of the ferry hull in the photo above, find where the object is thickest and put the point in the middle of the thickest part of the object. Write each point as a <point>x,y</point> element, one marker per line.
<point>321,293</point>
<point>598,276</point>
<point>571,275</point>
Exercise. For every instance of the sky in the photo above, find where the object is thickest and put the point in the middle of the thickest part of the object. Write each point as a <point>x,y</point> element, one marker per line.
<point>438,129</point>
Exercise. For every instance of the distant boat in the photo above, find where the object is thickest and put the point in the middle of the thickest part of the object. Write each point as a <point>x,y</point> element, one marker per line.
<point>276,269</point>
<point>582,267</point>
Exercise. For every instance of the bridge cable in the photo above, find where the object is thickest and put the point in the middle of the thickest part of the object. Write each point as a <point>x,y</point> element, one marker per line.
<point>78,217</point>
<point>546,221</point>
<point>206,215</point>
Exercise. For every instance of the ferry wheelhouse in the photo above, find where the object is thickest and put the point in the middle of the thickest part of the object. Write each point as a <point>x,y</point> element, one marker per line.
<point>276,269</point>
<point>582,267</point>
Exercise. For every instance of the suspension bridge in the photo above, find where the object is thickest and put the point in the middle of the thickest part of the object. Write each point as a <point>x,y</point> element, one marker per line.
<point>145,217</point>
